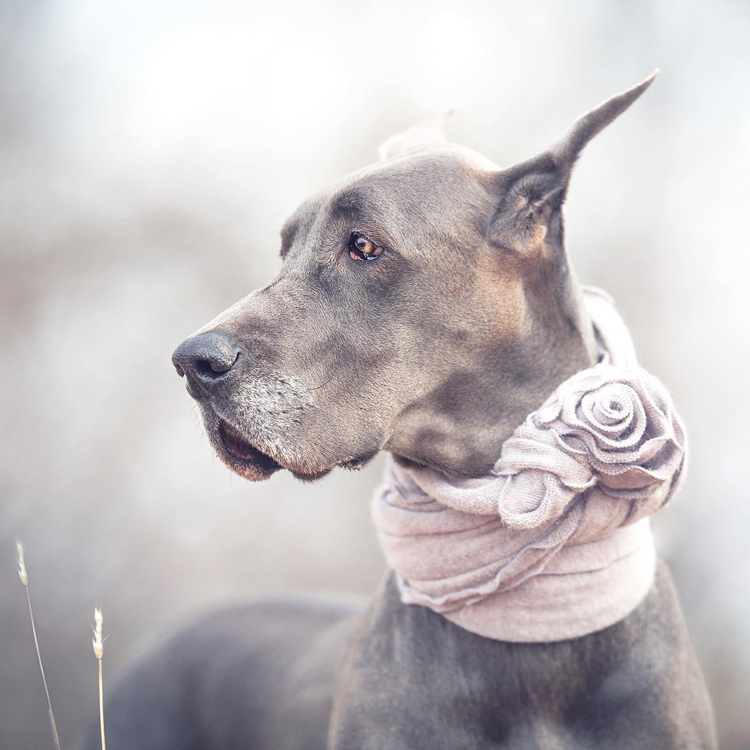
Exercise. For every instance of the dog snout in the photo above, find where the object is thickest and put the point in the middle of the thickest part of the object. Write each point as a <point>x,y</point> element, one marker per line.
<point>205,360</point>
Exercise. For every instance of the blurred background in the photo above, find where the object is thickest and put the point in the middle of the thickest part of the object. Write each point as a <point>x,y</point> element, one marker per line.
<point>149,153</point>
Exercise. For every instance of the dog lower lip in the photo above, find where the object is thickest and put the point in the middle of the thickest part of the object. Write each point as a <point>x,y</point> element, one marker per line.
<point>238,447</point>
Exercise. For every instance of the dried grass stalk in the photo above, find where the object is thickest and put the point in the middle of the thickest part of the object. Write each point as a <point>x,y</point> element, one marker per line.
<point>24,576</point>
<point>98,644</point>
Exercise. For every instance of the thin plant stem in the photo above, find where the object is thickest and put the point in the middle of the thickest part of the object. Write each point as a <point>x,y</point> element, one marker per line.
<point>23,575</point>
<point>98,644</point>
<point>101,705</point>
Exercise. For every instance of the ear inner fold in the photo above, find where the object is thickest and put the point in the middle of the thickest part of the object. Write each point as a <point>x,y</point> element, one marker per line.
<point>531,193</point>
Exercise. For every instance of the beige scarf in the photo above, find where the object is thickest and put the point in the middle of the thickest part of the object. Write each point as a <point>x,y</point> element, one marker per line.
<point>555,543</point>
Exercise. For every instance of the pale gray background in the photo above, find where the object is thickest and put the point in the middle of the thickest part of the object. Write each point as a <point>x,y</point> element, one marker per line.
<point>149,153</point>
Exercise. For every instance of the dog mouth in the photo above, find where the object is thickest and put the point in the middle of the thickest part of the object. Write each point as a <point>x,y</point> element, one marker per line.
<point>244,457</point>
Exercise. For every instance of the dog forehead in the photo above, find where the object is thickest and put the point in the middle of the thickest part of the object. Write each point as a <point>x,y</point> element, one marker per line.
<point>424,189</point>
<point>431,186</point>
<point>438,169</point>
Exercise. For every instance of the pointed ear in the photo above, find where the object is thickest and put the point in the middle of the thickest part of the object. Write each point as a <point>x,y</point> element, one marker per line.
<point>532,193</point>
<point>420,137</point>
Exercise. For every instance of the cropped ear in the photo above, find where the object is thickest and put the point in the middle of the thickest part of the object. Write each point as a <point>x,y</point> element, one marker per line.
<point>419,138</point>
<point>531,194</point>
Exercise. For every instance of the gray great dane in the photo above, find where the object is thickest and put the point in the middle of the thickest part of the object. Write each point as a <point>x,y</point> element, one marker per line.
<point>425,306</point>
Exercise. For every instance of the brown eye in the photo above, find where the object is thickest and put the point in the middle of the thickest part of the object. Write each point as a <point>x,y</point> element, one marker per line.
<point>363,248</point>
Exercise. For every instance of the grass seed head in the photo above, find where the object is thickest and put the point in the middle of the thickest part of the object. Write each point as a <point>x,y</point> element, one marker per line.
<point>22,574</point>
<point>97,641</point>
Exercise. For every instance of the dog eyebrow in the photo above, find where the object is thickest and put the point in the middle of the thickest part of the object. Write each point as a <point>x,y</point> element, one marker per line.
<point>348,203</point>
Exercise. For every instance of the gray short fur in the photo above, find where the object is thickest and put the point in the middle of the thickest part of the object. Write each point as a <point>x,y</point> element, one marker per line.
<point>434,351</point>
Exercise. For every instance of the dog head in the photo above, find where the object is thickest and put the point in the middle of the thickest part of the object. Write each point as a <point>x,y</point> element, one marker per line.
<point>424,306</point>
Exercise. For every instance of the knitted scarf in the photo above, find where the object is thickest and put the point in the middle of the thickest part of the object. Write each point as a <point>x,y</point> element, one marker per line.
<point>555,543</point>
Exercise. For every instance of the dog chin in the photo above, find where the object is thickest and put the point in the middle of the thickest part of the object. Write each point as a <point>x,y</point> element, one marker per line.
<point>241,456</point>
<point>246,458</point>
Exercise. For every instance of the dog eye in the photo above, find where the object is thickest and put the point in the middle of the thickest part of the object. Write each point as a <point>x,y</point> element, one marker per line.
<point>363,248</point>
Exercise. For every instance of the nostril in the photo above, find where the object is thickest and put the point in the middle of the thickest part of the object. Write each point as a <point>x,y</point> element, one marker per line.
<point>204,367</point>
<point>211,368</point>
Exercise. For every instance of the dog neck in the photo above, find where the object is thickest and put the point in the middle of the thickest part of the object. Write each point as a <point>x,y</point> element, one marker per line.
<point>555,542</point>
<point>459,428</point>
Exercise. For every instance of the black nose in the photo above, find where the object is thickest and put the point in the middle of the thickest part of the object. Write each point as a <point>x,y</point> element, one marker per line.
<point>206,360</point>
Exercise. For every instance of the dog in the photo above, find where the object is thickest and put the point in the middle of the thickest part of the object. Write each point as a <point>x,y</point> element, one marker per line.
<point>424,307</point>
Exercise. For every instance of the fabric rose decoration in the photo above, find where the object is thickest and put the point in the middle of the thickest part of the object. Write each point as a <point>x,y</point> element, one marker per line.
<point>605,430</point>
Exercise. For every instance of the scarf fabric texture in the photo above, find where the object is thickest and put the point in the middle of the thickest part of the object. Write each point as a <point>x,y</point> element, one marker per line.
<point>555,543</point>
